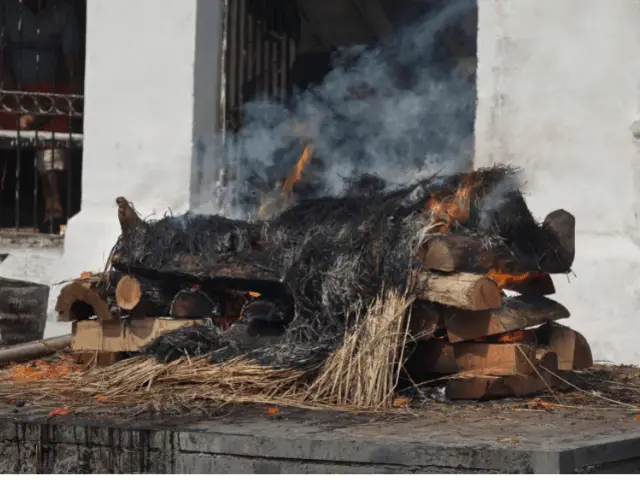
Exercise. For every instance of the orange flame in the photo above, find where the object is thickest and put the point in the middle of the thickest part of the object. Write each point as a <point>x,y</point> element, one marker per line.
<point>505,280</point>
<point>296,173</point>
<point>254,294</point>
<point>515,337</point>
<point>518,336</point>
<point>452,209</point>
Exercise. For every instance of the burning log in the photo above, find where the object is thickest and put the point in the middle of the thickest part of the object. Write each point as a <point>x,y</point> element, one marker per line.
<point>540,284</point>
<point>517,313</point>
<point>463,290</point>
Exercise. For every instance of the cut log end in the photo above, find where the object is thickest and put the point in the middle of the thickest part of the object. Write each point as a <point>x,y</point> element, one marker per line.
<point>128,293</point>
<point>77,301</point>
<point>462,290</point>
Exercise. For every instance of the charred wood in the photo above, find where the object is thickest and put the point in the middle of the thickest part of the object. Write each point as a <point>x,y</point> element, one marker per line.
<point>79,301</point>
<point>195,303</point>
<point>517,313</point>
<point>561,228</point>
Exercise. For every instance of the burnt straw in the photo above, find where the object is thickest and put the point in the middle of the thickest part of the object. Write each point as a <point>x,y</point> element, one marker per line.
<point>329,257</point>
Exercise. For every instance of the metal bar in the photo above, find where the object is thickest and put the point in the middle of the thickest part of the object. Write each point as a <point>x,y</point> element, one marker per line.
<point>250,46</point>
<point>242,20</point>
<point>276,16</point>
<point>232,49</point>
<point>260,36</point>
<point>266,49</point>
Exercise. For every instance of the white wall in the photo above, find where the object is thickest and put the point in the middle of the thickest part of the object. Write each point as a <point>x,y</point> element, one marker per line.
<point>151,92</point>
<point>558,90</point>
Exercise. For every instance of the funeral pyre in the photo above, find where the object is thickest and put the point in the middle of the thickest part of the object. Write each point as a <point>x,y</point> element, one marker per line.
<point>444,278</point>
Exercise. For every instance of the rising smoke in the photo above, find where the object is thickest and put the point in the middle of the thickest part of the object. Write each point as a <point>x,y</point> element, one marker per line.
<point>391,111</point>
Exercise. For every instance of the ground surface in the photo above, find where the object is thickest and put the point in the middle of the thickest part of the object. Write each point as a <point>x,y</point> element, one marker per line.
<point>596,426</point>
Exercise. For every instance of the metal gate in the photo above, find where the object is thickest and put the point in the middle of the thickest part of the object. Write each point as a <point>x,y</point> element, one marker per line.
<point>259,47</point>
<point>41,105</point>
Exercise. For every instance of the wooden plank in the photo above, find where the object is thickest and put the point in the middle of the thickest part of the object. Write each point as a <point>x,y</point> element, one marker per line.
<point>433,356</point>
<point>495,358</point>
<point>424,319</point>
<point>468,291</point>
<point>90,335</point>
<point>573,350</point>
<point>452,253</point>
<point>517,313</point>
<point>492,387</point>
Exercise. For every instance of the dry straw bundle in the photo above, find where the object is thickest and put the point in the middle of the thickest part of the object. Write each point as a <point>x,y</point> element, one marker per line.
<point>362,374</point>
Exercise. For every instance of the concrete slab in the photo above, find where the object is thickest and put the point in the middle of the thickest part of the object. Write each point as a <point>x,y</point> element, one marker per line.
<point>442,438</point>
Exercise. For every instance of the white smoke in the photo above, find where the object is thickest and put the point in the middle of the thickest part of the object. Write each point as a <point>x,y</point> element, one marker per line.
<point>412,122</point>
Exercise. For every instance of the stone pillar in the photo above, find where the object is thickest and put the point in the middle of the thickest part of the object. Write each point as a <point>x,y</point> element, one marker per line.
<point>557,95</point>
<point>151,92</point>
<point>152,83</point>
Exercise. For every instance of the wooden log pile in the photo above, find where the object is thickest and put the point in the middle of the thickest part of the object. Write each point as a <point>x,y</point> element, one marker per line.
<point>463,325</point>
<point>489,343</point>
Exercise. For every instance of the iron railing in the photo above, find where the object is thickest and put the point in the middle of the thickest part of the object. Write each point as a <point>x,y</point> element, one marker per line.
<point>40,121</point>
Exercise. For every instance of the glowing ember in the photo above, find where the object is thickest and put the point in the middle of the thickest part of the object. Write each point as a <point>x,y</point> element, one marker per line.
<point>254,294</point>
<point>515,337</point>
<point>296,174</point>
<point>40,370</point>
<point>519,336</point>
<point>505,280</point>
<point>453,209</point>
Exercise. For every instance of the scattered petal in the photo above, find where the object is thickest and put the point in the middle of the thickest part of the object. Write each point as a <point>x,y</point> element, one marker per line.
<point>401,402</point>
<point>273,411</point>
<point>58,412</point>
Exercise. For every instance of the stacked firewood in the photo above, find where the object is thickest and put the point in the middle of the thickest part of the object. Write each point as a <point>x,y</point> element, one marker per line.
<point>464,324</point>
<point>493,333</point>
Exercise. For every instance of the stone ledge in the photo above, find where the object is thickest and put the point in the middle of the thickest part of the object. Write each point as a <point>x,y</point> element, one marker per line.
<point>21,240</point>
<point>249,441</point>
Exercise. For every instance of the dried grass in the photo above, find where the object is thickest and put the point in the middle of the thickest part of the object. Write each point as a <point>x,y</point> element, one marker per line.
<point>361,375</point>
<point>364,371</point>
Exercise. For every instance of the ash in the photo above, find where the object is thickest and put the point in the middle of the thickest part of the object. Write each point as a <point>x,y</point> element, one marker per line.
<point>323,261</point>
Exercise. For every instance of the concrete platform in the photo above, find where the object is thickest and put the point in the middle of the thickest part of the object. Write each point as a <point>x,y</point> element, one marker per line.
<point>444,438</point>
